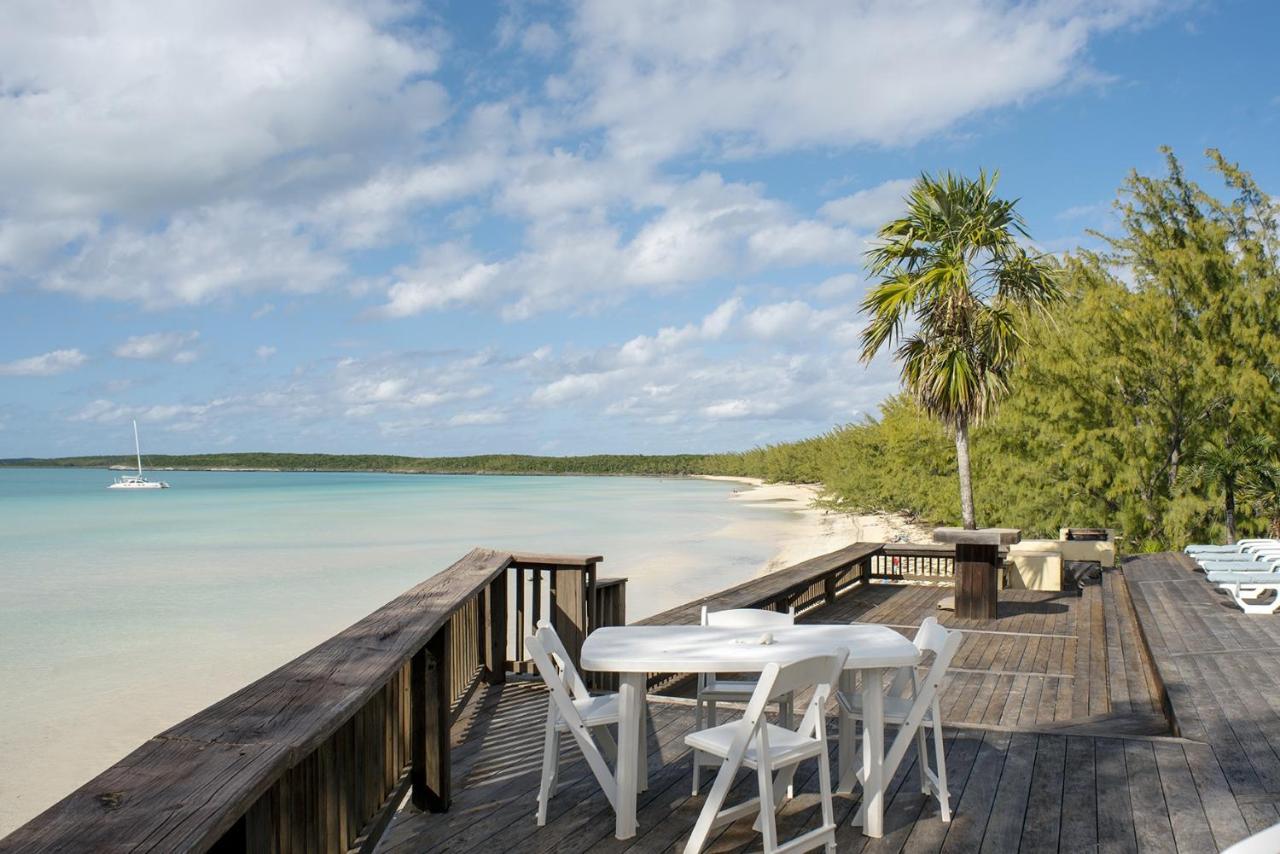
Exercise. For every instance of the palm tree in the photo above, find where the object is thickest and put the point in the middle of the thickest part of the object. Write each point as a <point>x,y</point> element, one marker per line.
<point>1261,488</point>
<point>955,285</point>
<point>1228,464</point>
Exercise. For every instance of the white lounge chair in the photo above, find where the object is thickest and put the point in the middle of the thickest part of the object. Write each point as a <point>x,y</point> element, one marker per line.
<point>713,690</point>
<point>572,709</point>
<point>912,704</point>
<point>753,742</point>
<point>1254,596</point>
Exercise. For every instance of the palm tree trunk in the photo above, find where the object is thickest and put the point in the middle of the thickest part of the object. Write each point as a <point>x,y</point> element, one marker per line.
<point>1230,490</point>
<point>966,481</point>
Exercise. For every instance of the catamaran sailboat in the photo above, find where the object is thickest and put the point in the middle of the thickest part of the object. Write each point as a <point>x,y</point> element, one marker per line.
<point>137,481</point>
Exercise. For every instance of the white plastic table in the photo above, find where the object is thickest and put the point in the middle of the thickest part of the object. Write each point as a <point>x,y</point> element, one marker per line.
<point>633,652</point>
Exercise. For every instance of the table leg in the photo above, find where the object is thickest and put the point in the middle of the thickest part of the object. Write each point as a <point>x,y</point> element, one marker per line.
<point>642,767</point>
<point>873,752</point>
<point>844,736</point>
<point>631,688</point>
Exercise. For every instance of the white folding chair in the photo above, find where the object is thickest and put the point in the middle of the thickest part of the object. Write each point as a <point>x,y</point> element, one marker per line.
<point>574,710</point>
<point>755,743</point>
<point>912,704</point>
<point>713,690</point>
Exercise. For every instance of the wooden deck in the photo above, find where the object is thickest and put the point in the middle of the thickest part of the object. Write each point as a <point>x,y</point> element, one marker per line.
<point>1056,742</point>
<point>1219,668</point>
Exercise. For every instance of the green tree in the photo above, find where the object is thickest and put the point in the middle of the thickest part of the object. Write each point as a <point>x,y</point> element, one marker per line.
<point>1227,466</point>
<point>955,286</point>
<point>1261,490</point>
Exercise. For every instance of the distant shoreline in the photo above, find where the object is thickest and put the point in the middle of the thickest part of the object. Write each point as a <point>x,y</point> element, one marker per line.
<point>465,473</point>
<point>651,465</point>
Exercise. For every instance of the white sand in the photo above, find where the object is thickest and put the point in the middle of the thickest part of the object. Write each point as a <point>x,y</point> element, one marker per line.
<point>816,530</point>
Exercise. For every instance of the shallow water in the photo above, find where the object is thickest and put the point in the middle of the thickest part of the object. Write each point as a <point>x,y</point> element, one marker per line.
<point>123,612</point>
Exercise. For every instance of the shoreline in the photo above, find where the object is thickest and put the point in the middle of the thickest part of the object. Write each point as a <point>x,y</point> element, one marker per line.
<point>816,530</point>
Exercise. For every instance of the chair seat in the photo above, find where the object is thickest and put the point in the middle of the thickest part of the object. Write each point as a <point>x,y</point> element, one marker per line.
<point>896,709</point>
<point>785,746</point>
<point>595,711</point>
<point>727,689</point>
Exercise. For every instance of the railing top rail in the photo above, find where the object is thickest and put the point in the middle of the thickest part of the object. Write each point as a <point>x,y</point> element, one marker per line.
<point>609,582</point>
<point>187,786</point>
<point>761,590</point>
<point>533,560</point>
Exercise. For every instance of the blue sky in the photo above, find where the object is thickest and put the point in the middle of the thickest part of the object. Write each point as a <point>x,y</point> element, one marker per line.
<point>540,228</point>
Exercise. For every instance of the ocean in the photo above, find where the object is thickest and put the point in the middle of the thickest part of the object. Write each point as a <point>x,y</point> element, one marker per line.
<point>123,612</point>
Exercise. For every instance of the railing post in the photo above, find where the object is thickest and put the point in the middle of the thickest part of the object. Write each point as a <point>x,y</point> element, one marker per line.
<point>495,647</point>
<point>829,589</point>
<point>865,565</point>
<point>569,608</point>
<point>429,704</point>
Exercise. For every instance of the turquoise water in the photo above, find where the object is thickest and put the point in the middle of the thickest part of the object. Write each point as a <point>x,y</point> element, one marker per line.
<point>123,612</point>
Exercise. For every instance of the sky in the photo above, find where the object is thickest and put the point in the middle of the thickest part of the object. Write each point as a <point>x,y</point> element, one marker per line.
<point>591,227</point>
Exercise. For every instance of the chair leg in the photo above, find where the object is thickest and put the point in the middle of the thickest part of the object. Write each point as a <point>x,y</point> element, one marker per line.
<point>697,772</point>
<point>768,810</point>
<point>710,810</point>
<point>824,791</point>
<point>711,714</point>
<point>550,768</point>
<point>940,758</point>
<point>922,758</point>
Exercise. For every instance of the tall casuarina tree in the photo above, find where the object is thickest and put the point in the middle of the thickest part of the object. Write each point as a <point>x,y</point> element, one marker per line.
<point>955,285</point>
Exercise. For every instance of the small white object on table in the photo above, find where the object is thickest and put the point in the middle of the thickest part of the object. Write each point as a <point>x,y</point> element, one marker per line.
<point>633,652</point>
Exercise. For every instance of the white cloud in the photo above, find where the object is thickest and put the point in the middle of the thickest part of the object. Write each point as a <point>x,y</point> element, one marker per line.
<point>740,408</point>
<point>444,277</point>
<point>666,77</point>
<point>572,387</point>
<point>867,210</point>
<point>794,318</point>
<point>168,346</point>
<point>200,255</point>
<point>265,351</point>
<point>478,418</point>
<point>128,106</point>
<point>102,411</point>
<point>645,348</point>
<point>176,151</point>
<point>704,227</point>
<point>45,365</point>
<point>838,287</point>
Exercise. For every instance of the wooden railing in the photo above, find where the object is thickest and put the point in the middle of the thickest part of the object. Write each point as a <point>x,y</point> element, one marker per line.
<point>917,561</point>
<point>914,561</point>
<point>315,756</point>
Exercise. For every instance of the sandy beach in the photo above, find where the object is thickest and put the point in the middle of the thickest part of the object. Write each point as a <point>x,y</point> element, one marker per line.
<point>815,530</point>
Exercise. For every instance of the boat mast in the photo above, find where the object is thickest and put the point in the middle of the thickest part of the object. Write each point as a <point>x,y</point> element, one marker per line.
<point>137,449</point>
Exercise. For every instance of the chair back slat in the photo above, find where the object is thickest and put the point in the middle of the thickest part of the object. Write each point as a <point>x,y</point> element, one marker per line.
<point>816,671</point>
<point>554,647</point>
<point>944,644</point>
<point>748,618</point>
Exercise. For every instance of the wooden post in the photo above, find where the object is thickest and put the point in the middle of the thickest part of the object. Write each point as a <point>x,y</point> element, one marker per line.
<point>522,624</point>
<point>569,609</point>
<point>829,589</point>
<point>976,568</point>
<point>495,648</point>
<point>429,705</point>
<point>865,564</point>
